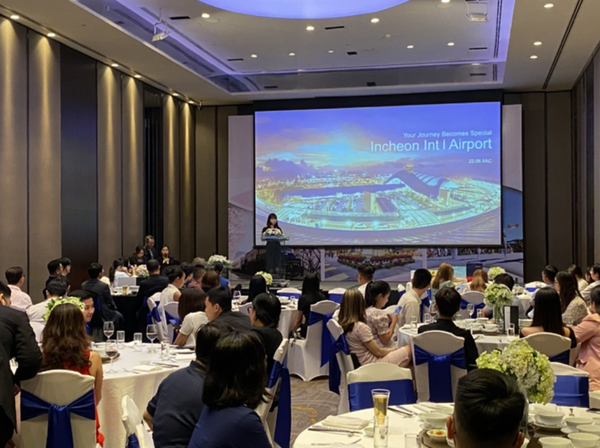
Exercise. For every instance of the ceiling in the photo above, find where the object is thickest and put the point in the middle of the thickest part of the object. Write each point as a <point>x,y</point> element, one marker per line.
<point>209,59</point>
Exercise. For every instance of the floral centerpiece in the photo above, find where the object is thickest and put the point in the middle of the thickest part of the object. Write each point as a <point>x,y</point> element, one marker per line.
<point>273,232</point>
<point>530,368</point>
<point>53,303</point>
<point>268,277</point>
<point>498,296</point>
<point>142,271</point>
<point>495,271</point>
<point>214,259</point>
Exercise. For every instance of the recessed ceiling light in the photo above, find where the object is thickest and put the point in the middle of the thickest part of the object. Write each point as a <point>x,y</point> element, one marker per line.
<point>450,44</point>
<point>137,76</point>
<point>475,63</point>
<point>445,1</point>
<point>310,28</point>
<point>205,15</point>
<point>175,94</point>
<point>410,47</point>
<point>192,103</point>
<point>533,56</point>
<point>292,54</point>
<point>15,17</point>
<point>374,20</point>
<point>330,51</point>
<point>114,65</point>
<point>254,56</point>
<point>51,34</point>
<point>549,5</point>
<point>537,43</point>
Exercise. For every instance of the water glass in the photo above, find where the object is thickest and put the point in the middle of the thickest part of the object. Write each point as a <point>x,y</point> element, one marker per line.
<point>380,432</point>
<point>480,314</point>
<point>109,329</point>
<point>427,318</point>
<point>120,339</point>
<point>470,309</point>
<point>413,322</point>
<point>412,441</point>
<point>137,342</point>
<point>165,349</point>
<point>510,332</point>
<point>568,321</point>
<point>381,398</point>
<point>237,295</point>
<point>152,333</point>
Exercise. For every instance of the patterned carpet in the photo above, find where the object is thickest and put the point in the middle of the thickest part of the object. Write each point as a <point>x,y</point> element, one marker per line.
<point>311,402</point>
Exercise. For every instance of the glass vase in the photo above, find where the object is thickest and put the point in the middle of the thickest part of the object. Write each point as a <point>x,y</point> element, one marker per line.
<point>498,314</point>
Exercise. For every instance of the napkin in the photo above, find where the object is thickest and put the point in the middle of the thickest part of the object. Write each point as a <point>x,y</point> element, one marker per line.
<point>335,421</point>
<point>146,369</point>
<point>185,356</point>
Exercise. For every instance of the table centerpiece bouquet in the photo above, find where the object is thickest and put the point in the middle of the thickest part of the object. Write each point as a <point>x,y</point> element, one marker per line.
<point>530,368</point>
<point>498,296</point>
<point>142,271</point>
<point>268,277</point>
<point>495,271</point>
<point>214,259</point>
<point>53,303</point>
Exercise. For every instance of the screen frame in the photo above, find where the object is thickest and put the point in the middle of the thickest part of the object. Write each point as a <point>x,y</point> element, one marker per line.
<point>499,101</point>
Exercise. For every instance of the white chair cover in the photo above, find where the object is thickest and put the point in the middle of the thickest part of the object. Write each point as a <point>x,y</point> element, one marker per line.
<point>160,322</point>
<point>125,281</point>
<point>549,344</point>
<point>571,387</point>
<point>474,297</point>
<point>173,309</point>
<point>437,343</point>
<point>383,373</point>
<point>134,424</point>
<point>345,364</point>
<point>401,287</point>
<point>336,294</point>
<point>59,387</point>
<point>304,358</point>
<point>38,329</point>
<point>289,292</point>
<point>245,308</point>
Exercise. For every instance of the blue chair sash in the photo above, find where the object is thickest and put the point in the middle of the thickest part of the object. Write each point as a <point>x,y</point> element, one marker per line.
<point>172,320</point>
<point>314,318</point>
<point>289,295</point>
<point>283,425</point>
<point>153,314</point>
<point>334,368</point>
<point>440,379</point>
<point>479,306</point>
<point>401,392</point>
<point>60,434</point>
<point>133,442</point>
<point>425,303</point>
<point>337,298</point>
<point>561,357</point>
<point>572,391</point>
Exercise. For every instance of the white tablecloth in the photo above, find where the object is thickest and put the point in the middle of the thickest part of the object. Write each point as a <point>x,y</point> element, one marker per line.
<point>288,310</point>
<point>484,342</point>
<point>140,387</point>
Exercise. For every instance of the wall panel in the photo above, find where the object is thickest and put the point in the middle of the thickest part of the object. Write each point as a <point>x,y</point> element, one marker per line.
<point>187,184</point>
<point>206,180</point>
<point>223,114</point>
<point>171,175</point>
<point>13,146</point>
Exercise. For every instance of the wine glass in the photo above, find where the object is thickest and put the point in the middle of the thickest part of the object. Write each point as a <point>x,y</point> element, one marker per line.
<point>111,351</point>
<point>237,295</point>
<point>151,332</point>
<point>470,309</point>
<point>109,329</point>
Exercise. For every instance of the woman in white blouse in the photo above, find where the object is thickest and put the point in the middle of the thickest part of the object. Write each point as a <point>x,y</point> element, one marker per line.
<point>573,306</point>
<point>381,324</point>
<point>192,316</point>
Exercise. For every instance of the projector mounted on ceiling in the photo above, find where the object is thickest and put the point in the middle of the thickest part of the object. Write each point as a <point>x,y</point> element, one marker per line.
<point>477,10</point>
<point>161,31</point>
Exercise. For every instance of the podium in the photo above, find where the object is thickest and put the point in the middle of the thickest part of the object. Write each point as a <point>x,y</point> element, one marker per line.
<point>275,259</point>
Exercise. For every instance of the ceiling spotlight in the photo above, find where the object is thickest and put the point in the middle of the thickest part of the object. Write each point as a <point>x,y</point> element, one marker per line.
<point>410,47</point>
<point>254,56</point>
<point>205,15</point>
<point>533,56</point>
<point>175,94</point>
<point>15,17</point>
<point>161,31</point>
<point>51,34</point>
<point>374,20</point>
<point>445,1</point>
<point>450,44</point>
<point>537,43</point>
<point>292,54</point>
<point>310,28</point>
<point>549,5</point>
<point>114,65</point>
<point>137,76</point>
<point>330,51</point>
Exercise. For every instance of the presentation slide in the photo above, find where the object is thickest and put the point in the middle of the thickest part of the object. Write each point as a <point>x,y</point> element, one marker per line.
<point>426,175</point>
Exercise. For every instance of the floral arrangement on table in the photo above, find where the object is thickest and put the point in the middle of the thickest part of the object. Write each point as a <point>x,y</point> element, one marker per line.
<point>498,296</point>
<point>495,271</point>
<point>273,232</point>
<point>530,368</point>
<point>142,271</point>
<point>214,259</point>
<point>268,277</point>
<point>53,303</point>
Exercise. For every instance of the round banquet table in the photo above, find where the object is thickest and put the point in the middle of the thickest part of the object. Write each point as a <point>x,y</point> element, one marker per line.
<point>288,309</point>
<point>141,387</point>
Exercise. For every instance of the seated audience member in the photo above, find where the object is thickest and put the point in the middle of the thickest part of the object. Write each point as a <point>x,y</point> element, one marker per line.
<point>118,270</point>
<point>165,259</point>
<point>488,411</point>
<point>148,287</point>
<point>353,320</point>
<point>90,317</point>
<point>15,279</point>
<point>264,317</point>
<point>311,294</point>
<point>218,268</point>
<point>210,280</point>
<point>587,275</point>
<point>444,277</point>
<point>16,341</point>
<point>382,325</point>
<point>218,306</point>
<point>588,334</point>
<point>233,388</point>
<point>108,309</point>
<point>138,256</point>
<point>479,282</point>
<point>447,304</point>
<point>191,315</point>
<point>66,346</point>
<point>595,281</point>
<point>56,288</point>
<point>66,270</point>
<point>548,316</point>
<point>578,273</point>
<point>188,271</point>
<point>175,409</point>
<point>410,302</point>
<point>571,303</point>
<point>364,275</point>
<point>548,277</point>
<point>172,292</point>
<point>197,274</point>
<point>258,285</point>
<point>55,270</point>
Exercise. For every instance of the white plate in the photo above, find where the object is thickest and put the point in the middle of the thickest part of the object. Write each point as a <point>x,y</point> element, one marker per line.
<point>545,426</point>
<point>568,430</point>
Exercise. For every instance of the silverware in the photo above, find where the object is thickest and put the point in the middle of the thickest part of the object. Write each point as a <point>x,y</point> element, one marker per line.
<point>338,430</point>
<point>336,443</point>
<point>402,412</point>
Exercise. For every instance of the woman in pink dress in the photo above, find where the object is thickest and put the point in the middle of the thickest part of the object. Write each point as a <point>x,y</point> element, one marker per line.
<point>588,333</point>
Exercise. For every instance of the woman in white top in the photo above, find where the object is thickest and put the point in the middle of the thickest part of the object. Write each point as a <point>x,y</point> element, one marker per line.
<point>171,293</point>
<point>595,281</point>
<point>381,324</point>
<point>118,270</point>
<point>578,273</point>
<point>192,316</point>
<point>572,305</point>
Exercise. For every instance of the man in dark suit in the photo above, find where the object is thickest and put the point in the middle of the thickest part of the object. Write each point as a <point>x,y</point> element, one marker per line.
<point>218,307</point>
<point>447,303</point>
<point>108,309</point>
<point>150,252</point>
<point>16,341</point>
<point>55,270</point>
<point>153,284</point>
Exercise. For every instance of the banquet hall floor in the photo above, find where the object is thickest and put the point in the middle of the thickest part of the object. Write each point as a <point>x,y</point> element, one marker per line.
<point>311,403</point>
